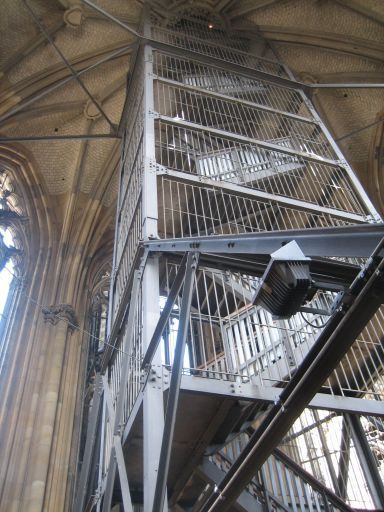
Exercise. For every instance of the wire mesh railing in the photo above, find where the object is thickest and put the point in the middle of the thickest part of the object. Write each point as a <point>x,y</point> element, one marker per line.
<point>248,164</point>
<point>280,485</point>
<point>322,443</point>
<point>193,73</point>
<point>129,352</point>
<point>217,51</point>
<point>187,210</point>
<point>246,120</point>
<point>231,339</point>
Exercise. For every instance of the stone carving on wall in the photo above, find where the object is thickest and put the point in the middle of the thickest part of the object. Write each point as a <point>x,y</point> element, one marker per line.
<point>54,313</point>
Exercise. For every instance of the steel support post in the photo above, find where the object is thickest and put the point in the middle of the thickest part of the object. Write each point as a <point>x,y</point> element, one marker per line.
<point>174,388</point>
<point>117,414</point>
<point>127,346</point>
<point>89,446</point>
<point>153,410</point>
<point>165,314</point>
<point>367,461</point>
<point>313,482</point>
<point>345,454</point>
<point>127,502</point>
<point>326,452</point>
<point>357,240</point>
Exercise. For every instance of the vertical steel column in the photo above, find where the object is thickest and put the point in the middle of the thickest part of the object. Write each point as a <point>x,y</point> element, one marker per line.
<point>153,411</point>
<point>367,461</point>
<point>327,455</point>
<point>116,415</point>
<point>345,453</point>
<point>89,446</point>
<point>174,387</point>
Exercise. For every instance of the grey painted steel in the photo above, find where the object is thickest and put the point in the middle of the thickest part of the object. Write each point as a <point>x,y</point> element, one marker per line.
<point>214,94</point>
<point>198,452</point>
<point>242,70</point>
<point>118,412</point>
<point>367,461</point>
<point>153,406</point>
<point>127,502</point>
<point>121,315</point>
<point>331,345</point>
<point>313,482</point>
<point>164,317</point>
<point>108,491</point>
<point>127,350</point>
<point>89,447</point>
<point>145,38</point>
<point>150,396</point>
<point>108,400</point>
<point>345,454</point>
<point>245,502</point>
<point>242,138</point>
<point>248,391</point>
<point>174,388</point>
<point>354,241</point>
<point>327,455</point>
<point>259,194</point>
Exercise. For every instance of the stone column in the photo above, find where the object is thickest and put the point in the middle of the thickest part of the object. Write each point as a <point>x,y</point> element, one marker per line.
<point>63,323</point>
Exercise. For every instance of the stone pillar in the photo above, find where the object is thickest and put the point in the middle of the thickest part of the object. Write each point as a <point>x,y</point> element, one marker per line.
<point>62,324</point>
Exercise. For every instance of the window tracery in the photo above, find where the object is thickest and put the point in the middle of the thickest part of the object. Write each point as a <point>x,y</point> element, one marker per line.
<point>12,252</point>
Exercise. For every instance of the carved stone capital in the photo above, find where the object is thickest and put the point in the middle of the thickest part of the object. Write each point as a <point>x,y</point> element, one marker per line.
<point>65,312</point>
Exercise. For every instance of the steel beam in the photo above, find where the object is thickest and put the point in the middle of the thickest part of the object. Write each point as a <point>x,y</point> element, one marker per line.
<point>127,502</point>
<point>345,455</point>
<point>89,446</point>
<point>116,414</point>
<point>312,481</point>
<point>204,58</point>
<point>213,474</point>
<point>127,351</point>
<point>366,296</point>
<point>199,449</point>
<point>343,241</point>
<point>164,317</point>
<point>121,314</point>
<point>367,461</point>
<point>267,394</point>
<point>289,83</point>
<point>174,388</point>
<point>326,452</point>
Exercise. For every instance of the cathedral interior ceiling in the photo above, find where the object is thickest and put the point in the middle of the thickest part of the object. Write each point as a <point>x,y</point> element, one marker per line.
<point>336,41</point>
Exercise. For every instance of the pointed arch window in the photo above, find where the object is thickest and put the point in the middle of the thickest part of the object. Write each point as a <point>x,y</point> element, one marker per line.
<point>12,236</point>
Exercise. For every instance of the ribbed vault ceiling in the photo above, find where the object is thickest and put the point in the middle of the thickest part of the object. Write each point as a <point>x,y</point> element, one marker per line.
<point>320,40</point>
